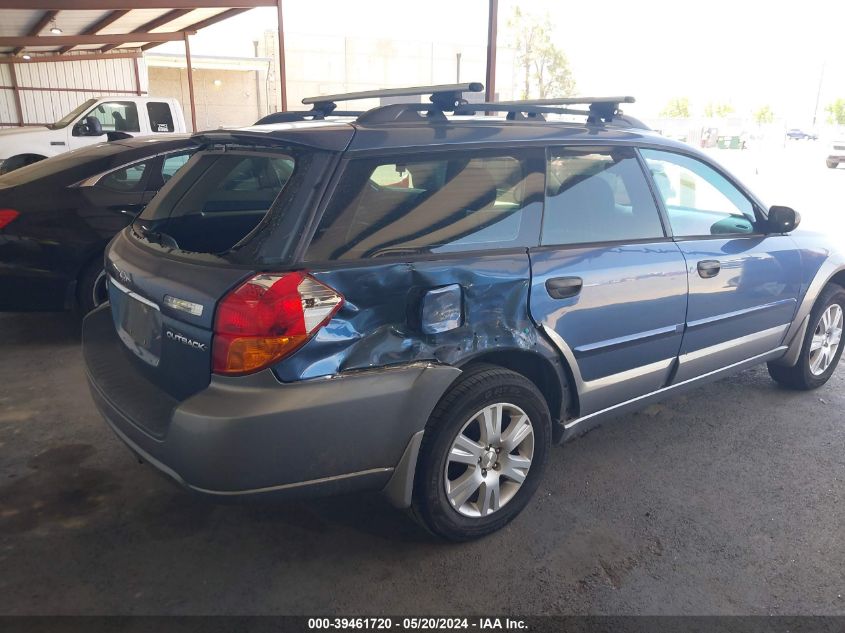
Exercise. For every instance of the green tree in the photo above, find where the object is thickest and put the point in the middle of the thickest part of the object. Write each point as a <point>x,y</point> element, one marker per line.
<point>763,115</point>
<point>544,67</point>
<point>718,110</point>
<point>836,112</point>
<point>677,108</point>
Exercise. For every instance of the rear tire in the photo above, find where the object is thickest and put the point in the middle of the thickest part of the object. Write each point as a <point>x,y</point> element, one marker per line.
<point>474,475</point>
<point>16,162</point>
<point>822,346</point>
<point>91,291</point>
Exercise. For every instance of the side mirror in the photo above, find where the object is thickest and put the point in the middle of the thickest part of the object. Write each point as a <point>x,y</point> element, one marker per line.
<point>783,219</point>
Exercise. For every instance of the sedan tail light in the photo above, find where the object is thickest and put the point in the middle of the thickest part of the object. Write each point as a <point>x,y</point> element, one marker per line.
<point>267,318</point>
<point>6,216</point>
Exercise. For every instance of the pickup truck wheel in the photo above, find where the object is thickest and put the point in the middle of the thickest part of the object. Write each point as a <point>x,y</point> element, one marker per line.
<point>17,162</point>
<point>483,454</point>
<point>822,347</point>
<point>91,290</point>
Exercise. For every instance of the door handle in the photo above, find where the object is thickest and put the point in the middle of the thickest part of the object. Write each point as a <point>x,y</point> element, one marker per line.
<point>563,287</point>
<point>708,268</point>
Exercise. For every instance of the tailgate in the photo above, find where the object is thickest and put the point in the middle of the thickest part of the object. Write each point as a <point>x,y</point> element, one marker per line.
<point>163,311</point>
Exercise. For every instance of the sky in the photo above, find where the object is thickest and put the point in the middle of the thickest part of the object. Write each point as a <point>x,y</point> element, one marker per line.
<point>747,53</point>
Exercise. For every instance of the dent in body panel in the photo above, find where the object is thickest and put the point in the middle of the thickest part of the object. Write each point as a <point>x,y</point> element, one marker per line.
<point>378,324</point>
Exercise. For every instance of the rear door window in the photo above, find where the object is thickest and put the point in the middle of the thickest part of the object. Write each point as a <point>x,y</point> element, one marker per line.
<point>598,195</point>
<point>170,164</point>
<point>161,119</point>
<point>126,179</point>
<point>448,203</point>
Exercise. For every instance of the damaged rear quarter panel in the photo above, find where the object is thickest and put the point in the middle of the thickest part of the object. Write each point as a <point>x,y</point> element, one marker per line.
<point>376,326</point>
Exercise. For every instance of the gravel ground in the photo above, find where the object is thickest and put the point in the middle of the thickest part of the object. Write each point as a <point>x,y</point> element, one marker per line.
<point>728,500</point>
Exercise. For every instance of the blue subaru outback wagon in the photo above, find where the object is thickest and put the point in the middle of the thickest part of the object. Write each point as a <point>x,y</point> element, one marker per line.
<point>423,298</point>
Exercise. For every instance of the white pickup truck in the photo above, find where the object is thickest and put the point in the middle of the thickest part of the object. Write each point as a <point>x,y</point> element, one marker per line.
<point>92,122</point>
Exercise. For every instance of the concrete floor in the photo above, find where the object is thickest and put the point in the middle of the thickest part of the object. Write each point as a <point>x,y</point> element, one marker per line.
<point>726,500</point>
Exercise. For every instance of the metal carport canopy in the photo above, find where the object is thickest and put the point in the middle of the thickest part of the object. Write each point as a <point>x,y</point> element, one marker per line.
<point>92,28</point>
<point>95,27</point>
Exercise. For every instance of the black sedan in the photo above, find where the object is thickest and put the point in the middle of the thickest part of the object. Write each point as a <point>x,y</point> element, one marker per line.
<point>57,216</point>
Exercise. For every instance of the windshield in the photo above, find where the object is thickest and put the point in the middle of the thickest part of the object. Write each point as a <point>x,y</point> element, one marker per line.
<point>70,116</point>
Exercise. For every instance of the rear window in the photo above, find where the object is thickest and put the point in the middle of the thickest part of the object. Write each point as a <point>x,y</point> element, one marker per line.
<point>161,119</point>
<point>222,197</point>
<point>460,202</point>
<point>78,164</point>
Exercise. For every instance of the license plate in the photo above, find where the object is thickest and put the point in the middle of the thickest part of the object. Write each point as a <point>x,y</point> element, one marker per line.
<point>138,324</point>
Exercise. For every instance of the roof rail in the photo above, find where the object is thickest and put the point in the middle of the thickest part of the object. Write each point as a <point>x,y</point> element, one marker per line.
<point>444,96</point>
<point>600,109</point>
<point>289,116</point>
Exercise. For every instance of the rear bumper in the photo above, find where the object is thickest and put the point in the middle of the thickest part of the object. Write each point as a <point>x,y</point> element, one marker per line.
<point>256,437</point>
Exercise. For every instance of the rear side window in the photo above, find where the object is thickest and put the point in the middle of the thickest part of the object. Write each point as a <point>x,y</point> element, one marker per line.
<point>448,203</point>
<point>161,119</point>
<point>126,179</point>
<point>598,196</point>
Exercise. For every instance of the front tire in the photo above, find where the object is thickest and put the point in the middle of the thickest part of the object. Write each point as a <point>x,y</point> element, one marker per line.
<point>822,346</point>
<point>482,455</point>
<point>16,162</point>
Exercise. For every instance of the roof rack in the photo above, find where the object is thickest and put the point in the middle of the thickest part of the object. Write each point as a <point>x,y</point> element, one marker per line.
<point>445,96</point>
<point>600,109</point>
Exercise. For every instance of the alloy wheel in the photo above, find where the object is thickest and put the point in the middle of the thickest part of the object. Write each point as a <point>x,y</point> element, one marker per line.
<point>489,460</point>
<point>826,339</point>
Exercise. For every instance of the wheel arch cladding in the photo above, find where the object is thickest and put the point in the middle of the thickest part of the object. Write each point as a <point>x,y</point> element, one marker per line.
<point>838,278</point>
<point>549,377</point>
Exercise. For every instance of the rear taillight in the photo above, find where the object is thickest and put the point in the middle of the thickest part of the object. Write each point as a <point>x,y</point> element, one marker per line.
<point>268,317</point>
<point>6,216</point>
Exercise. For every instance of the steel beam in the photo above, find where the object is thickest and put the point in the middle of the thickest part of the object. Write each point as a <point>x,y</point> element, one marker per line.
<point>190,83</point>
<point>39,26</point>
<point>153,24</point>
<point>282,74</point>
<point>492,23</point>
<point>68,58</point>
<point>76,40</point>
<point>95,28</point>
<point>214,19</point>
<point>117,5</point>
<point>16,92</point>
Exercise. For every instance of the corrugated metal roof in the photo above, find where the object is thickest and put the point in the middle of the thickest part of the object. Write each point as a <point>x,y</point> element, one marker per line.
<point>86,18</point>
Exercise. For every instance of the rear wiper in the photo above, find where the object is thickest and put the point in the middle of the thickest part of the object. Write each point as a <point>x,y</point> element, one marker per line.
<point>156,237</point>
